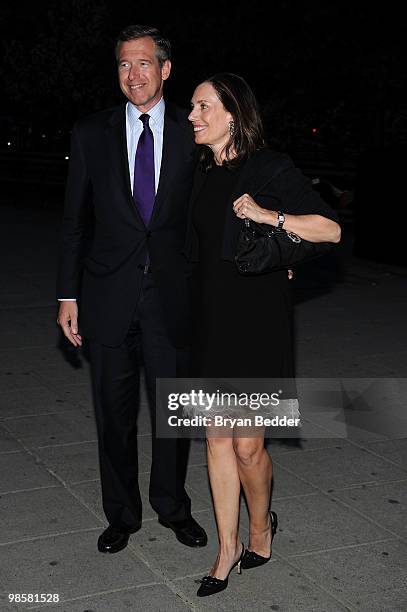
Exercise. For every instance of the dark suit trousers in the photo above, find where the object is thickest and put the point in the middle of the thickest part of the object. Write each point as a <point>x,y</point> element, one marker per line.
<point>116,386</point>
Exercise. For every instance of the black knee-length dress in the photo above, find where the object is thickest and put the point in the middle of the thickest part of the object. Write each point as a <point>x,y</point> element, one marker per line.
<point>243,325</point>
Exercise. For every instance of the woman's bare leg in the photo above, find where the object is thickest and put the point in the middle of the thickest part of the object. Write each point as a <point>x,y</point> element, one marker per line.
<point>255,473</point>
<point>225,486</point>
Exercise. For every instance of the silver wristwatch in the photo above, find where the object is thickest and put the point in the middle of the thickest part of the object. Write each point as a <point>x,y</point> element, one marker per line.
<point>281,219</point>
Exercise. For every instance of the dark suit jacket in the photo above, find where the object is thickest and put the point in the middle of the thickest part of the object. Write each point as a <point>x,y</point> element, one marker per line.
<point>106,278</point>
<point>274,183</point>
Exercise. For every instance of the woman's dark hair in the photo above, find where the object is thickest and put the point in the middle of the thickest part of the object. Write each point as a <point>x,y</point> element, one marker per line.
<point>248,135</point>
<point>133,32</point>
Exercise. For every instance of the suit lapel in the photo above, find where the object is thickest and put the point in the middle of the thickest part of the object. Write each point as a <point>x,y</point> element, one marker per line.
<point>169,160</point>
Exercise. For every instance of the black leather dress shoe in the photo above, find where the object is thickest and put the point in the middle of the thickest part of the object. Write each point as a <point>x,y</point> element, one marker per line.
<point>113,539</point>
<point>187,532</point>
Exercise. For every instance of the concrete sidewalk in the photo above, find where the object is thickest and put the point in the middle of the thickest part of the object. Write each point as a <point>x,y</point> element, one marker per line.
<point>340,494</point>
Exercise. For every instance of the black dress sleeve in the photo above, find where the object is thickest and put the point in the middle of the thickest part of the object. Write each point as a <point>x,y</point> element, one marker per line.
<point>297,197</point>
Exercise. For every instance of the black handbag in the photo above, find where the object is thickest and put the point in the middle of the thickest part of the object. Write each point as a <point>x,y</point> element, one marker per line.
<point>263,248</point>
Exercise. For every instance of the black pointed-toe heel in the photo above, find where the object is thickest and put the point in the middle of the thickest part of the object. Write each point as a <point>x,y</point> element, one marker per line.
<point>211,585</point>
<point>250,558</point>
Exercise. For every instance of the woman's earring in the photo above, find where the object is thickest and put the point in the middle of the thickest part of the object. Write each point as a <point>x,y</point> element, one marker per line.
<point>231,127</point>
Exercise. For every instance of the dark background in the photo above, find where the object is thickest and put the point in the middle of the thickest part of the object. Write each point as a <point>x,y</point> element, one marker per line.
<point>330,77</point>
<point>337,67</point>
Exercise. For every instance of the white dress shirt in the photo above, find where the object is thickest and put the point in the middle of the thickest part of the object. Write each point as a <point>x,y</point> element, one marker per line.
<point>134,127</point>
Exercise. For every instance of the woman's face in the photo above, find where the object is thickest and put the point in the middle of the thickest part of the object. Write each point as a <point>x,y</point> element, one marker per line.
<point>209,118</point>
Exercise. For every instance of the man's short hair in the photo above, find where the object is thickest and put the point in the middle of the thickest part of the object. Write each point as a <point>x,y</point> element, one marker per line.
<point>133,32</point>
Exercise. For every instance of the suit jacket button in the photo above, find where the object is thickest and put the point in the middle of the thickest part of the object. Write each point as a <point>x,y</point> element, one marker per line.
<point>148,235</point>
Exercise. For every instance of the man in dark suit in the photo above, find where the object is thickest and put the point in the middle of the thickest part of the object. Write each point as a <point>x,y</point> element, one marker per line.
<point>132,167</point>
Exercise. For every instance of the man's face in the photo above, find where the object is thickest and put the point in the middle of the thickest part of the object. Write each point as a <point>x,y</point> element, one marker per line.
<point>141,77</point>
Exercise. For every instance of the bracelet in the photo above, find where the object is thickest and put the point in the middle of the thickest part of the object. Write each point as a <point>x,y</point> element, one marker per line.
<point>281,219</point>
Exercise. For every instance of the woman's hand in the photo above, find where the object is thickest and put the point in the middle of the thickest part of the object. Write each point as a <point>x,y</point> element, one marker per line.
<point>246,208</point>
<point>312,227</point>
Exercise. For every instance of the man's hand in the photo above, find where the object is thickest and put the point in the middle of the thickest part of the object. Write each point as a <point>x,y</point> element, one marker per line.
<point>68,320</point>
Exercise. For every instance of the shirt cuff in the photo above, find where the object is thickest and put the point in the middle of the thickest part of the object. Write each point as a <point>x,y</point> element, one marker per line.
<point>66,299</point>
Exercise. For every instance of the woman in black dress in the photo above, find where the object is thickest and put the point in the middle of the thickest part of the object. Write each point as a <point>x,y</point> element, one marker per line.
<point>243,323</point>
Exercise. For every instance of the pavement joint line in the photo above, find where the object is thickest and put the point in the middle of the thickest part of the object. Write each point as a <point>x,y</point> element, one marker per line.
<point>300,450</point>
<point>321,551</point>
<point>343,503</point>
<point>370,519</point>
<point>308,578</point>
<point>403,378</point>
<point>300,495</point>
<point>387,439</point>
<point>63,444</point>
<point>36,347</point>
<point>63,411</point>
<point>366,483</point>
<point>375,454</point>
<point>25,307</point>
<point>46,536</point>
<point>334,434</point>
<point>75,483</point>
<point>39,461</point>
<point>286,558</point>
<point>192,606</point>
<point>193,490</point>
<point>369,484</point>
<point>154,518</point>
<point>14,438</point>
<point>56,387</point>
<point>368,450</point>
<point>95,594</point>
<point>135,552</point>
<point>141,556</point>
<point>203,572</point>
<point>12,452</point>
<point>347,605</point>
<point>33,447</point>
<point>29,490</point>
<point>18,390</point>
<point>80,482</point>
